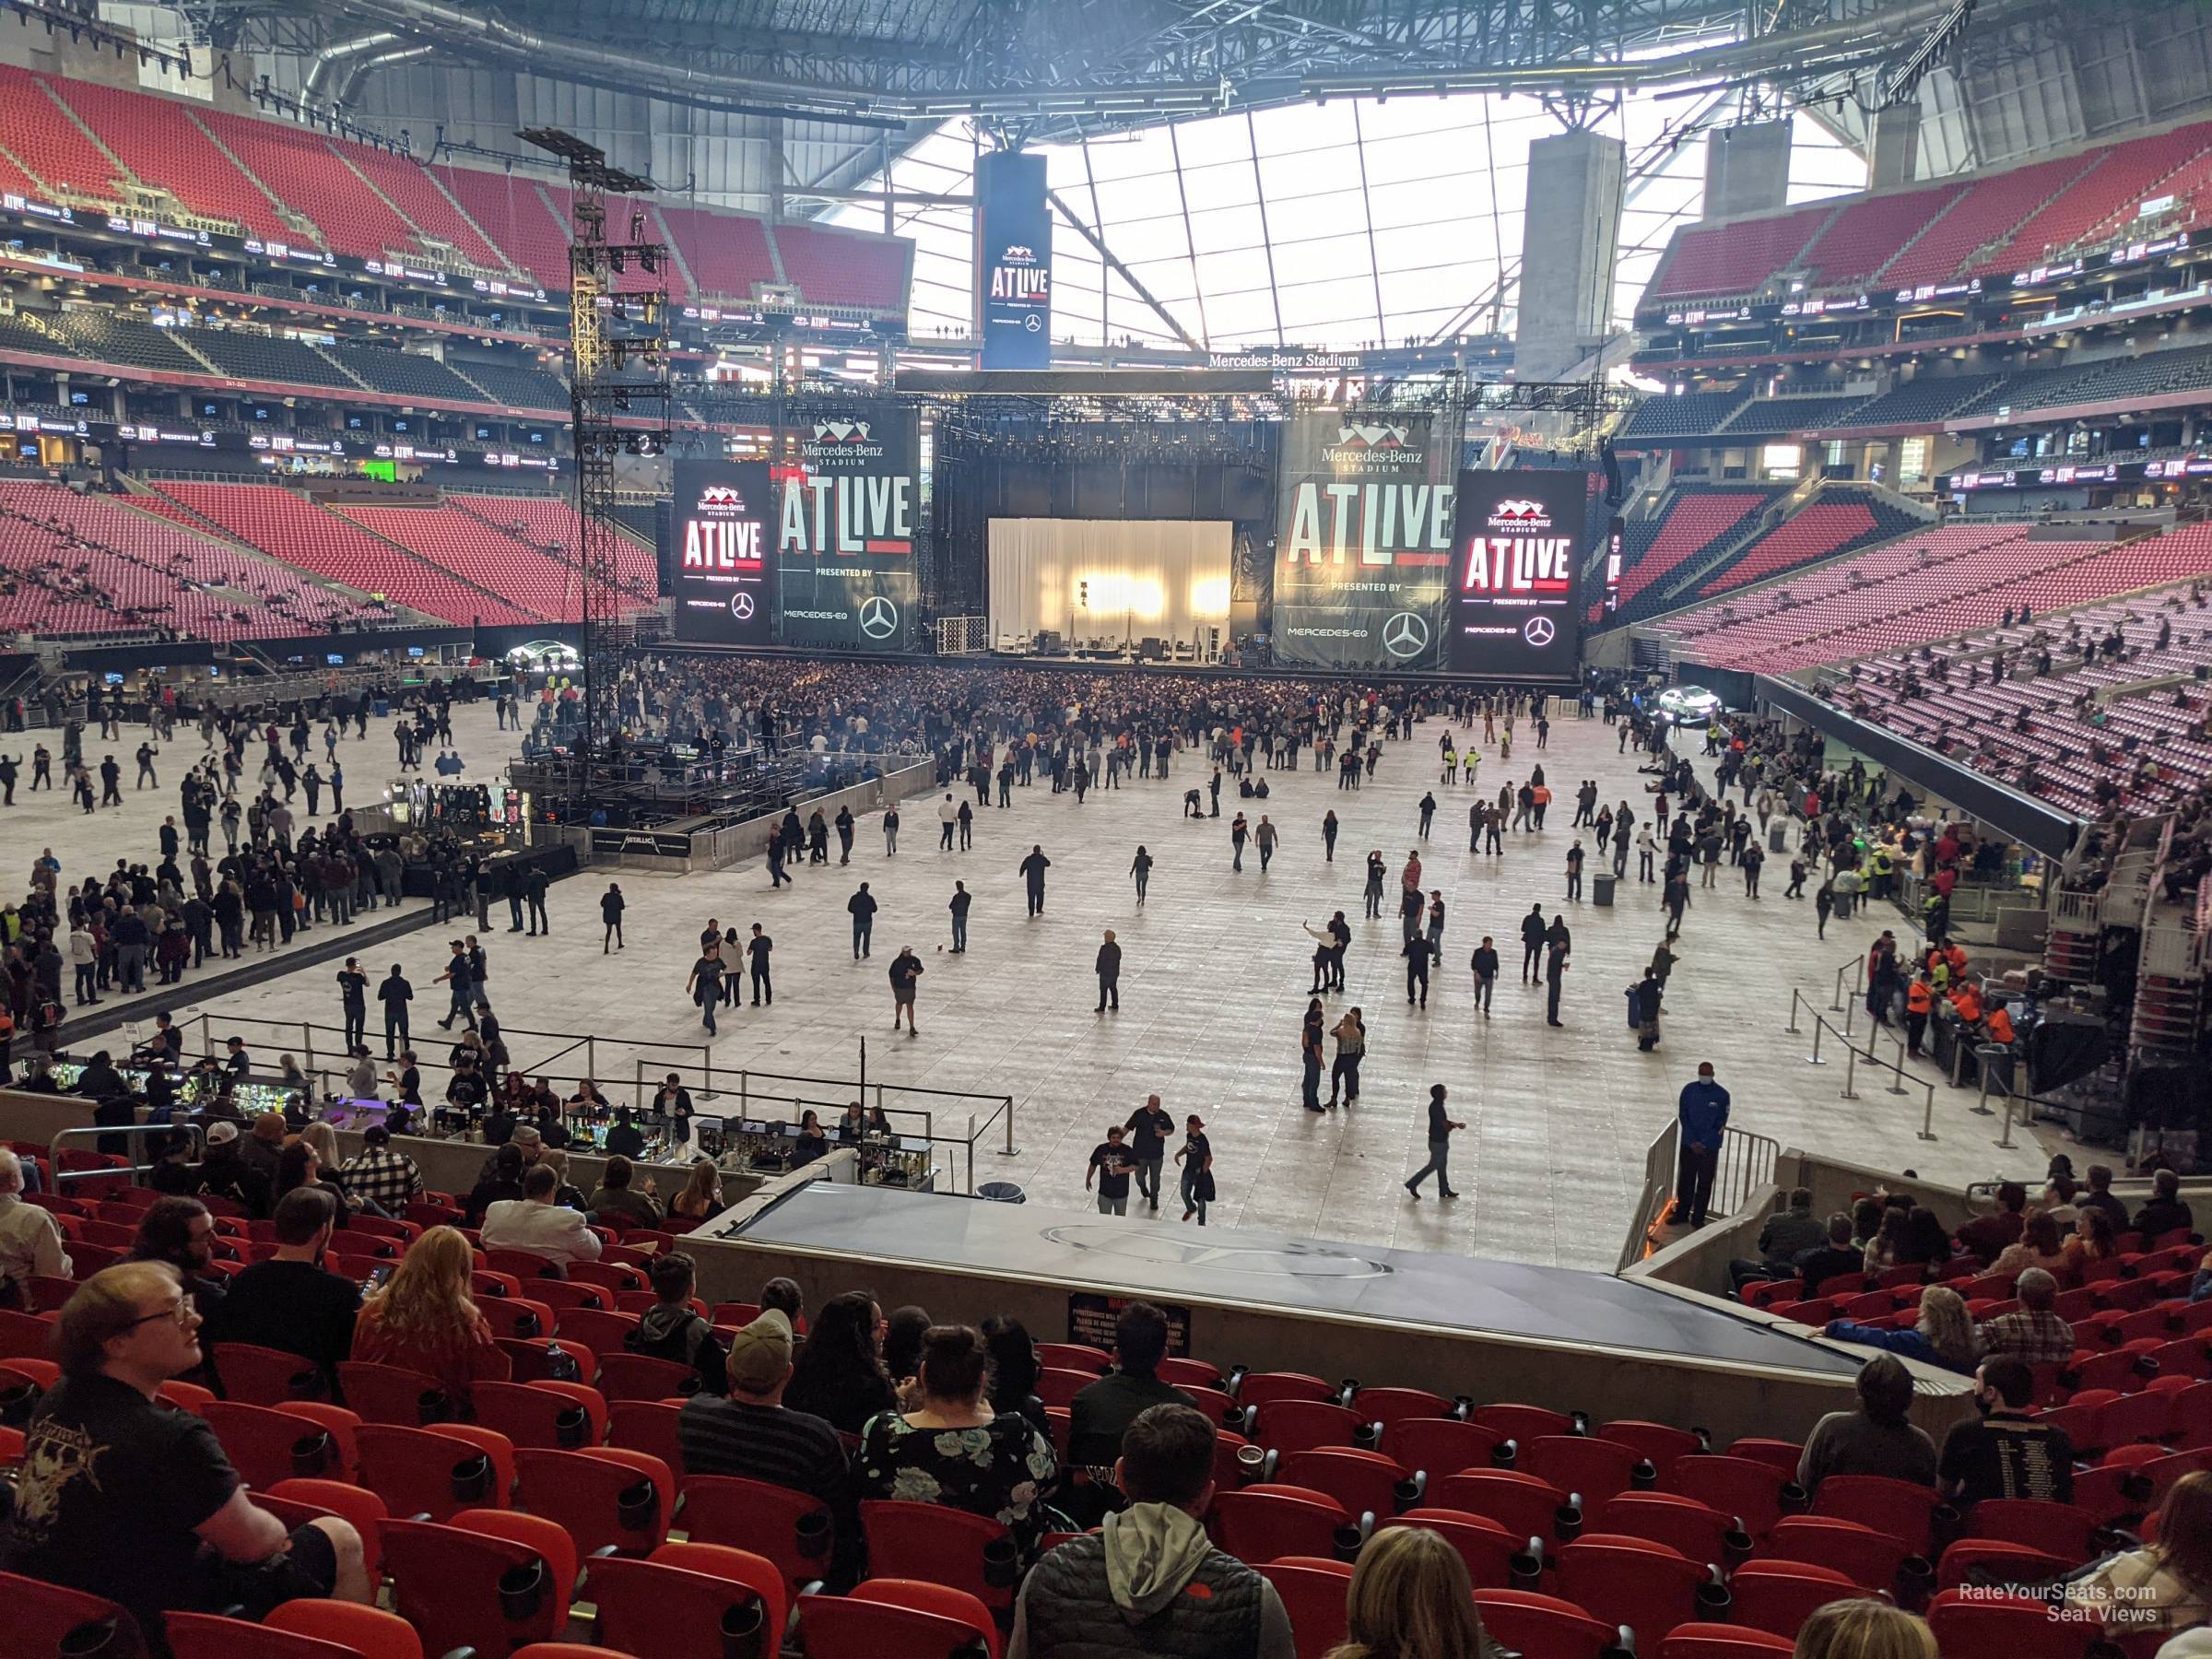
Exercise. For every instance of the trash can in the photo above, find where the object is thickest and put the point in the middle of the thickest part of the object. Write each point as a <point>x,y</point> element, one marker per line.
<point>1002,1191</point>
<point>1601,888</point>
<point>1778,836</point>
<point>381,709</point>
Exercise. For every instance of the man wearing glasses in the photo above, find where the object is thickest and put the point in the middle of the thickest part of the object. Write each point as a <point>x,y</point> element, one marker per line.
<point>126,1497</point>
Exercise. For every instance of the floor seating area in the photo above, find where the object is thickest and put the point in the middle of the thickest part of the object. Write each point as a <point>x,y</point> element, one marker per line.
<point>1926,587</point>
<point>2030,730</point>
<point>87,564</point>
<point>332,546</point>
<point>564,1509</point>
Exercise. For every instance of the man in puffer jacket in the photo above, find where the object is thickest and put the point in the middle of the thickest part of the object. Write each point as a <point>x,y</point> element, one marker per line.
<point>674,1329</point>
<point>1150,1581</point>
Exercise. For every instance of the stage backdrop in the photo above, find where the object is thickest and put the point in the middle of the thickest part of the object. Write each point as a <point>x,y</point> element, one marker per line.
<point>1126,578</point>
<point>1363,541</point>
<point>848,497</point>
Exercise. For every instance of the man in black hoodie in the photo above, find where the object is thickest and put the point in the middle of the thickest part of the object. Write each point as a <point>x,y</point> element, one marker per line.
<point>673,1328</point>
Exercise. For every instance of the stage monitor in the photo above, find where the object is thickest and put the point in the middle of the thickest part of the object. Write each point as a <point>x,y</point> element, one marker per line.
<point>1517,538</point>
<point>1013,261</point>
<point>719,522</point>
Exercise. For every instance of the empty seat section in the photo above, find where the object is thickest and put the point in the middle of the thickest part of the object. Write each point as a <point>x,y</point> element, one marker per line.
<point>405,183</point>
<point>1837,522</point>
<point>1925,400</point>
<point>1990,208</point>
<point>157,140</point>
<point>405,373</point>
<point>1868,234</point>
<point>516,219</point>
<point>2123,176</point>
<point>267,357</point>
<point>1774,416</point>
<point>488,557</point>
<point>300,171</point>
<point>1739,258</point>
<point>1693,521</point>
<point>845,267</point>
<point>107,337</point>
<point>727,252</point>
<point>550,522</point>
<point>518,387</point>
<point>48,143</point>
<point>19,333</point>
<point>1687,414</point>
<point>268,515</point>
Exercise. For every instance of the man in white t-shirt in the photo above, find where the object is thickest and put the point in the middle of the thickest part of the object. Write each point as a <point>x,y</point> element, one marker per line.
<point>535,1223</point>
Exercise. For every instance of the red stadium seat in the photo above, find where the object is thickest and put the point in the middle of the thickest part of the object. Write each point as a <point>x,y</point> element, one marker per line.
<point>688,1601</point>
<point>1288,1426</point>
<point>1898,1507</point>
<point>1359,1480</point>
<point>648,1426</point>
<point>1777,1596</point>
<point>1489,1551</point>
<point>1868,1558</point>
<point>1523,1505</point>
<point>1390,1406</point>
<point>1440,1445</point>
<point>45,1619</point>
<point>1746,1487</point>
<point>1969,1625</point>
<point>393,1394</point>
<point>436,1471</point>
<point>495,1583</point>
<point>1658,1444</point>
<point>1631,1582</point>
<point>1598,1469</point>
<point>1993,1561</point>
<point>1312,1590</point>
<point>297,1500</point>
<point>602,1496</point>
<point>1697,1530</point>
<point>794,1530</point>
<point>897,1618</point>
<point>1264,1388</point>
<point>266,1447</point>
<point>939,1546</point>
<point>261,1376</point>
<point>541,1414</point>
<point>1262,1522</point>
<point>1542,1627</point>
<point>1723,1642</point>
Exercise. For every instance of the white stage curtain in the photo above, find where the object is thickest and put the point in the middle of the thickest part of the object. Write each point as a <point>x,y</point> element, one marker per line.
<point>1109,579</point>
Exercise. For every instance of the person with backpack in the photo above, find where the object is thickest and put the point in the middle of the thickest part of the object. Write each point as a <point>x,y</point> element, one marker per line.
<point>674,1329</point>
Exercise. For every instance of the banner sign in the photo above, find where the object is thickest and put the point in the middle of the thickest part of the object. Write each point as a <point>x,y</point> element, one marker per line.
<point>848,497</point>
<point>719,525</point>
<point>1363,541</point>
<point>1515,542</point>
<point>1013,261</point>
<point>1094,1320</point>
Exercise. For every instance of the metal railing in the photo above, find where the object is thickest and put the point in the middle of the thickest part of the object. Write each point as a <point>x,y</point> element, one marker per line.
<point>142,1131</point>
<point>1902,1081</point>
<point>1746,1166</point>
<point>614,1067</point>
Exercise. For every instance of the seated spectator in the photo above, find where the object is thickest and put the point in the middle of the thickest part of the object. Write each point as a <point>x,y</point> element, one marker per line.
<point>2091,1242</point>
<point>300,1166</point>
<point>1788,1233</point>
<point>2038,1246</point>
<point>1411,1598</point>
<point>674,1329</point>
<point>225,1173</point>
<point>1925,1241</point>
<point>565,1192</point>
<point>380,1175</point>
<point>950,1448</point>
<point>2100,1196</point>
<point>702,1198</point>
<point>180,1233</point>
<point>1864,1629</point>
<point>1015,1371</point>
<point>1988,1235</point>
<point>124,1498</point>
<point>840,1375</point>
<point>1892,1247</point>
<point>1876,1439</point>
<point>2163,1587</point>
<point>264,1145</point>
<point>31,1239</point>
<point>2007,1451</point>
<point>2035,1334</point>
<point>1101,1413</point>
<point>424,1321</point>
<point>754,1434</point>
<point>2165,1212</point>
<point>1943,1335</point>
<point>289,1302</point>
<point>1152,1577</point>
<point>1866,1221</point>
<point>787,1298</point>
<point>536,1224</point>
<point>615,1199</point>
<point>903,1335</point>
<point>173,1174</point>
<point>1841,1254</point>
<point>500,1182</point>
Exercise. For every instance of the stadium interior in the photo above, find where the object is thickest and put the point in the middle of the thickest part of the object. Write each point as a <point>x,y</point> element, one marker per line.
<point>693,431</point>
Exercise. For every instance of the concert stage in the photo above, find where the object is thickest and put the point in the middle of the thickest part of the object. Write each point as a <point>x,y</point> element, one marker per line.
<point>1614,1348</point>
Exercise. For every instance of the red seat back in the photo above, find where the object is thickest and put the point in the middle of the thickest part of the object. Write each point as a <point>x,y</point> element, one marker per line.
<point>1974,1625</point>
<point>1312,1591</point>
<point>601,1496</point>
<point>1542,1627</point>
<point>473,1588</point>
<point>686,1600</point>
<point>940,1546</point>
<point>794,1530</point>
<point>1265,1522</point>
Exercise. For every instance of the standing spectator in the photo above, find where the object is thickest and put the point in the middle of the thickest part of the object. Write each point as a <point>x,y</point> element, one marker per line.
<point>1703,1113</point>
<point>1876,1439</point>
<point>123,1496</point>
<point>1111,1163</point>
<point>1151,1123</point>
<point>1109,967</point>
<point>862,907</point>
<point>1151,1575</point>
<point>611,905</point>
<point>1032,870</point>
<point>906,968</point>
<point>1441,1128</point>
<point>1196,1156</point>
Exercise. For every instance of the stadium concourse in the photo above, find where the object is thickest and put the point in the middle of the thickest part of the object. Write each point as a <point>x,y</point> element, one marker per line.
<point>1216,974</point>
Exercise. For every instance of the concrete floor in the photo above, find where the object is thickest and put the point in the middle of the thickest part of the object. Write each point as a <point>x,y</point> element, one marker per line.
<point>1215,977</point>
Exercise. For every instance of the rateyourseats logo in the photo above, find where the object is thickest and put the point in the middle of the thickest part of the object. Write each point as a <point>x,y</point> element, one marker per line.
<point>879,617</point>
<point>1405,635</point>
<point>1540,631</point>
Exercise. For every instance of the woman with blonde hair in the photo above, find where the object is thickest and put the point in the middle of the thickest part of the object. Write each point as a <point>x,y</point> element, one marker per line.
<point>1858,1628</point>
<point>423,1319</point>
<point>1410,1598</point>
<point>702,1198</point>
<point>2163,1587</point>
<point>1942,1334</point>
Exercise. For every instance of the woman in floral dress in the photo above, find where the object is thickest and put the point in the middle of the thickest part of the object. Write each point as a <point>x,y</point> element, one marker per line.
<point>952,1449</point>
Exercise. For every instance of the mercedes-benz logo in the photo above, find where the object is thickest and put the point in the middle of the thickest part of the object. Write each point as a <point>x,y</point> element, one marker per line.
<point>1406,634</point>
<point>1540,631</point>
<point>879,617</point>
<point>741,607</point>
<point>1033,323</point>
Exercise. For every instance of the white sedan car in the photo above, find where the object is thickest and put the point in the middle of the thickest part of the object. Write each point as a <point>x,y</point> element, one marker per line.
<point>1688,705</point>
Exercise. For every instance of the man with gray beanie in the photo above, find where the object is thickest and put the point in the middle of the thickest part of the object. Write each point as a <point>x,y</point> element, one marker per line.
<point>1150,1581</point>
